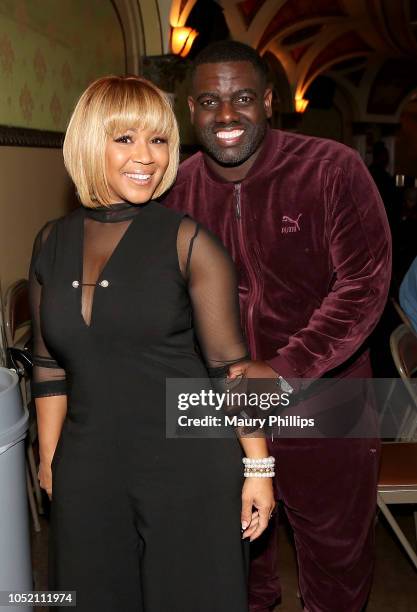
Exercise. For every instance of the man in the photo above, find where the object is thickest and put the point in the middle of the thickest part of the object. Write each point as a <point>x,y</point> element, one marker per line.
<point>306,228</point>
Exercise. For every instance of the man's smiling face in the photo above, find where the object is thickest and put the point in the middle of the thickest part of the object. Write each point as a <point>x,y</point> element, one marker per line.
<point>229,106</point>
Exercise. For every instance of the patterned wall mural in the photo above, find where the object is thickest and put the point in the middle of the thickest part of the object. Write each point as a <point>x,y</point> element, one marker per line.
<point>49,51</point>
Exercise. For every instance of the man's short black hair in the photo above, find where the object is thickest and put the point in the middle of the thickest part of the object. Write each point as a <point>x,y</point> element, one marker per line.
<point>231,51</point>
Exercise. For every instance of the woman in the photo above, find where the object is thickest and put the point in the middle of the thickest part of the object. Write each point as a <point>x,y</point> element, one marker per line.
<point>119,289</point>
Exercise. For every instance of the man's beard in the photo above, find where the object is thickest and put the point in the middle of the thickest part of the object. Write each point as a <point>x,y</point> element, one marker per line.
<point>252,139</point>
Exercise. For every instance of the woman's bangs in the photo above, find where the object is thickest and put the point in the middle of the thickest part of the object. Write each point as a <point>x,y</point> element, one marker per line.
<point>140,110</point>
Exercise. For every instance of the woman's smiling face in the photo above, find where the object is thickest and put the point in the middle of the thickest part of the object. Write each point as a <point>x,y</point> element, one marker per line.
<point>135,163</point>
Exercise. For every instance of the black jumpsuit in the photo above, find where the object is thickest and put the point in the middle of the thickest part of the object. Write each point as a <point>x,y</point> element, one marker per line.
<point>139,522</point>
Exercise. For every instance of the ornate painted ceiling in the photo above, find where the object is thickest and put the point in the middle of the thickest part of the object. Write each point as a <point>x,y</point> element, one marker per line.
<point>368,47</point>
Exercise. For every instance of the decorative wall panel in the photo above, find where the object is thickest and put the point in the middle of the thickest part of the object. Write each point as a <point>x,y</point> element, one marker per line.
<point>49,51</point>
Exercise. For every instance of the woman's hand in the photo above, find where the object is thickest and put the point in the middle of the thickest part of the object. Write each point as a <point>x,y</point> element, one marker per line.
<point>45,477</point>
<point>256,493</point>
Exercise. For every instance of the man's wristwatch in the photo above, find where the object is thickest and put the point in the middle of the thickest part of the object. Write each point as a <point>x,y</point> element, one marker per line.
<point>284,385</point>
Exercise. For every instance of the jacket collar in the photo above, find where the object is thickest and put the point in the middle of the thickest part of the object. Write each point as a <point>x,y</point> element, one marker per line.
<point>262,164</point>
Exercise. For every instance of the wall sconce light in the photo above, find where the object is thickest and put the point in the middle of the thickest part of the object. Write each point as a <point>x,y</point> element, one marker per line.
<point>300,104</point>
<point>182,39</point>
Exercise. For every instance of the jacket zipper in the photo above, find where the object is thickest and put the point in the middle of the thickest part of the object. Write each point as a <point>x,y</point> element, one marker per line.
<point>251,272</point>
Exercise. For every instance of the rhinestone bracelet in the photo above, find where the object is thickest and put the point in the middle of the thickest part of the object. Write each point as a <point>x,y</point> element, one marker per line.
<point>249,462</point>
<point>259,474</point>
<point>259,468</point>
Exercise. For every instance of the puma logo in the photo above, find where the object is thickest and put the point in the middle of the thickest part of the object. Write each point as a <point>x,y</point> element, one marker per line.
<point>292,226</point>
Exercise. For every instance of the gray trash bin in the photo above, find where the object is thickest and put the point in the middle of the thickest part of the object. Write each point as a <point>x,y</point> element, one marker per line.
<point>15,560</point>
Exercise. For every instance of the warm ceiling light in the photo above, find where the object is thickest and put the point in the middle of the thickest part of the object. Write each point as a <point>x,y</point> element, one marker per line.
<point>182,40</point>
<point>300,104</point>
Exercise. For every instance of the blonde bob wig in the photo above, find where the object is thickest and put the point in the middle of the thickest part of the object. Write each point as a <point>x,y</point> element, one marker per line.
<point>108,107</point>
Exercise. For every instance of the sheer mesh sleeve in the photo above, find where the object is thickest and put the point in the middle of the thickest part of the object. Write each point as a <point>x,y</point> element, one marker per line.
<point>48,377</point>
<point>213,290</point>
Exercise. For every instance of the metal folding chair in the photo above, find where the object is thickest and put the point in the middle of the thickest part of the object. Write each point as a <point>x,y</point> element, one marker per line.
<point>398,475</point>
<point>400,312</point>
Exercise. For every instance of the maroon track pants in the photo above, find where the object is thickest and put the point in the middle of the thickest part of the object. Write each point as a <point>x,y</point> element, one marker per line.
<point>328,487</point>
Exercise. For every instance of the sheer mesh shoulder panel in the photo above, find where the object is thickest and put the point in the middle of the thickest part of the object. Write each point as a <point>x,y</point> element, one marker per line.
<point>48,377</point>
<point>212,285</point>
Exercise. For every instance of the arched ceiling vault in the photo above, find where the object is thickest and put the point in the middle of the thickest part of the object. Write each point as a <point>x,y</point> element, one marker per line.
<point>369,47</point>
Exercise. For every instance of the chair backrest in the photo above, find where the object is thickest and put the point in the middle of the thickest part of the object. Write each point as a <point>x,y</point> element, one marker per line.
<point>403,343</point>
<point>16,309</point>
<point>404,318</point>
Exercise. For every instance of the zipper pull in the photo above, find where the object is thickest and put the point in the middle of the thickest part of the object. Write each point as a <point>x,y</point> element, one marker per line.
<point>237,200</point>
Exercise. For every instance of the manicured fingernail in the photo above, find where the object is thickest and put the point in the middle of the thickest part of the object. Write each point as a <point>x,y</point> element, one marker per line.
<point>244,525</point>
